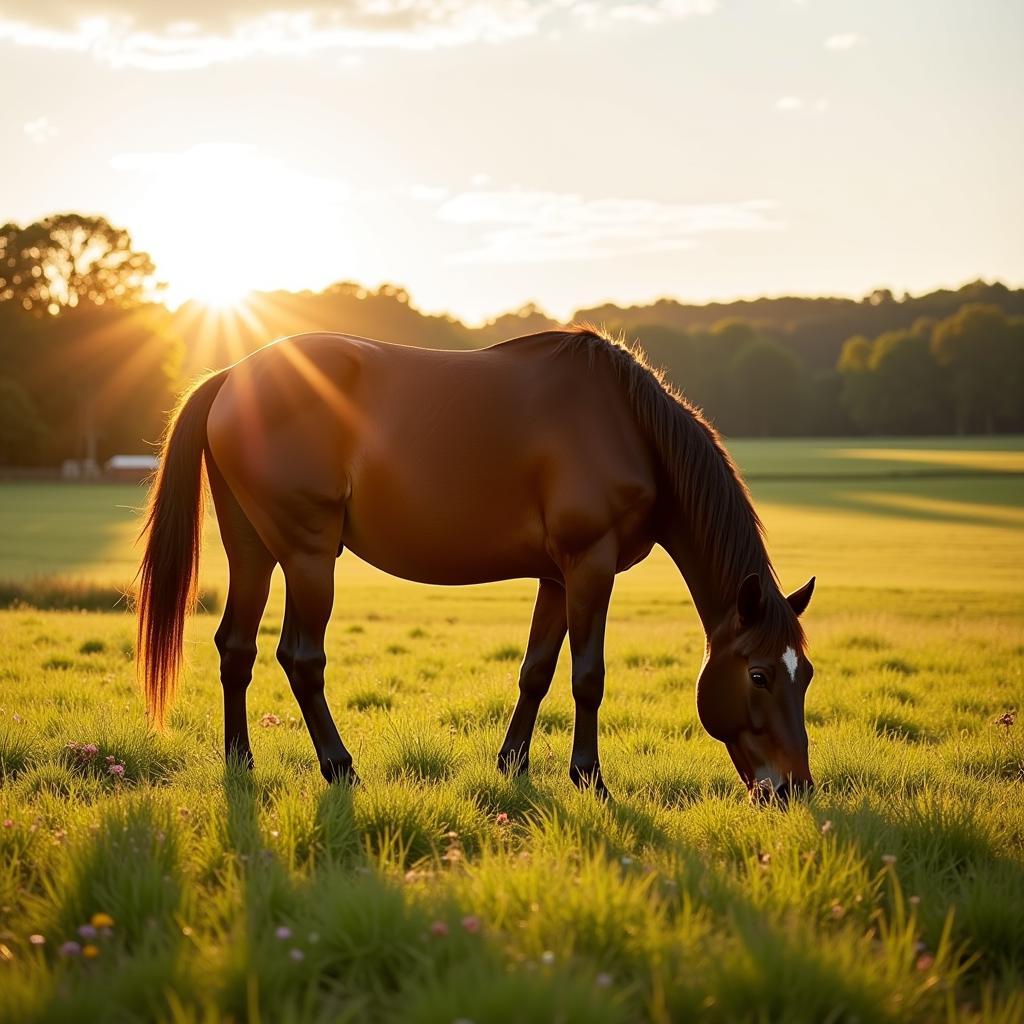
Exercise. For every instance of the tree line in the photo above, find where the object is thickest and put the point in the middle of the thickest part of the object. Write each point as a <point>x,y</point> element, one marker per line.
<point>90,359</point>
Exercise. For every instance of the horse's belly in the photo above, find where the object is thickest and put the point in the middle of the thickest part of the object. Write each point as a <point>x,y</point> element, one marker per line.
<point>444,545</point>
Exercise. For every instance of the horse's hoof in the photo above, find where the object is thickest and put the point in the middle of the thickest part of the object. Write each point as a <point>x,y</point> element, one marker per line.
<point>589,778</point>
<point>339,771</point>
<point>513,762</point>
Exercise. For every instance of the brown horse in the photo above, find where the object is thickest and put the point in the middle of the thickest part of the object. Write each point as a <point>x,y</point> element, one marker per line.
<point>561,456</point>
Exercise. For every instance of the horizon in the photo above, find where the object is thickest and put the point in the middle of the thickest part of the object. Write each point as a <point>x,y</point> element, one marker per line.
<point>491,156</point>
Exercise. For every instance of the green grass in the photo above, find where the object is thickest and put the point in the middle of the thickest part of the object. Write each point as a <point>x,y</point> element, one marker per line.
<point>439,890</point>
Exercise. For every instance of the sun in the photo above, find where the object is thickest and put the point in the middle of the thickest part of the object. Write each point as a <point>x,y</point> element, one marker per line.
<point>223,296</point>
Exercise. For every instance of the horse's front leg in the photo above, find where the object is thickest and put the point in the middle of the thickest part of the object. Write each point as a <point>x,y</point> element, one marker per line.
<point>588,582</point>
<point>547,631</point>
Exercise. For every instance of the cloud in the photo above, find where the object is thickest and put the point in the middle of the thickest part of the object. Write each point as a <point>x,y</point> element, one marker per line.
<point>142,34</point>
<point>522,226</point>
<point>843,41</point>
<point>40,130</point>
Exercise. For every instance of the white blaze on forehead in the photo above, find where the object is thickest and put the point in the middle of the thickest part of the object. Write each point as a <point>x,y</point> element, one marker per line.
<point>789,659</point>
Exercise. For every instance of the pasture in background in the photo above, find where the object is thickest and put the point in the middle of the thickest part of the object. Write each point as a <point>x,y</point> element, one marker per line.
<point>441,890</point>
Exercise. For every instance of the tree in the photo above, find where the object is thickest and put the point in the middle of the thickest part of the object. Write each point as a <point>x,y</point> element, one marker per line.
<point>909,388</point>
<point>768,384</point>
<point>67,260</point>
<point>859,395</point>
<point>975,347</point>
<point>21,429</point>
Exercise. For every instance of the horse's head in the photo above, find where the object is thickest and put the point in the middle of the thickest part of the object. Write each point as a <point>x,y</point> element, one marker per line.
<point>750,694</point>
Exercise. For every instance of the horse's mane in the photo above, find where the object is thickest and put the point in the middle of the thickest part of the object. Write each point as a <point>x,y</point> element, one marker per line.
<point>711,493</point>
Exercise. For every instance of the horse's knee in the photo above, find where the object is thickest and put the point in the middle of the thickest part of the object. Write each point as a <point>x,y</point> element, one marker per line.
<point>237,658</point>
<point>535,679</point>
<point>588,687</point>
<point>306,671</point>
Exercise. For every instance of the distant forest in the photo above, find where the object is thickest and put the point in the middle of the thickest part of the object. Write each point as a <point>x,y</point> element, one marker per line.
<point>90,363</point>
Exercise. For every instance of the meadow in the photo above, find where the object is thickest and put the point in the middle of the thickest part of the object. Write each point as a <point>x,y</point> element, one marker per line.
<point>440,891</point>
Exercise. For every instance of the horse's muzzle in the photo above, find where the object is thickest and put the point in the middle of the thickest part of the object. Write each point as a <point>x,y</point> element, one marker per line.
<point>793,787</point>
<point>762,793</point>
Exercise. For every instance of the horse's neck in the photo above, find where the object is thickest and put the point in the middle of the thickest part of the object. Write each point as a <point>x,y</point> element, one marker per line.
<point>713,597</point>
<point>711,602</point>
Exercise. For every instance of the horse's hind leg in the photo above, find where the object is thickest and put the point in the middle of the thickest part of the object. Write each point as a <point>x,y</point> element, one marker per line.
<point>250,566</point>
<point>547,631</point>
<point>309,578</point>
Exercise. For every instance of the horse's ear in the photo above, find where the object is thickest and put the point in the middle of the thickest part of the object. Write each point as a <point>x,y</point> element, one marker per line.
<point>800,599</point>
<point>748,600</point>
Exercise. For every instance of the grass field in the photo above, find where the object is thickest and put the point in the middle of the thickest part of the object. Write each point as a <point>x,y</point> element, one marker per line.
<point>439,891</point>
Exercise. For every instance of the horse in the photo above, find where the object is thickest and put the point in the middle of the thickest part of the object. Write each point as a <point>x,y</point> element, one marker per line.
<point>560,456</point>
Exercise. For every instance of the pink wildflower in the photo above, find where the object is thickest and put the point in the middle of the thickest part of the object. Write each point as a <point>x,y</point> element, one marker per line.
<point>297,955</point>
<point>37,939</point>
<point>117,770</point>
<point>70,949</point>
<point>87,932</point>
<point>283,932</point>
<point>439,929</point>
<point>471,923</point>
<point>502,819</point>
<point>8,823</point>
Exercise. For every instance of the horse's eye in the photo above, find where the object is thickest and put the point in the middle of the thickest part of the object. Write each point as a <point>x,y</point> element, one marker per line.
<point>759,679</point>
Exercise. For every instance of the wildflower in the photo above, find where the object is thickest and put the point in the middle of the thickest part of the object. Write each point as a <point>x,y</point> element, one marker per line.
<point>110,759</point>
<point>269,720</point>
<point>547,958</point>
<point>70,948</point>
<point>117,770</point>
<point>101,920</point>
<point>603,980</point>
<point>90,952</point>
<point>838,910</point>
<point>925,962</point>
<point>502,818</point>
<point>889,859</point>
<point>914,901</point>
<point>283,932</point>
<point>37,939</point>
<point>471,924</point>
<point>439,929</point>
<point>87,932</point>
<point>296,955</point>
<point>8,823</point>
<point>1007,718</point>
<point>826,827</point>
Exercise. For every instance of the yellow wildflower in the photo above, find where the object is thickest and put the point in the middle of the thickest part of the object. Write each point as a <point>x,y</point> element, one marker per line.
<point>102,920</point>
<point>91,951</point>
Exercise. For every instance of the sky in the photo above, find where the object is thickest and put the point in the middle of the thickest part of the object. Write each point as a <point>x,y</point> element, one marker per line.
<point>562,152</point>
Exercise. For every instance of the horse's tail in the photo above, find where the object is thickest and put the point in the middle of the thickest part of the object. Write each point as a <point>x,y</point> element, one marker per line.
<point>170,567</point>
